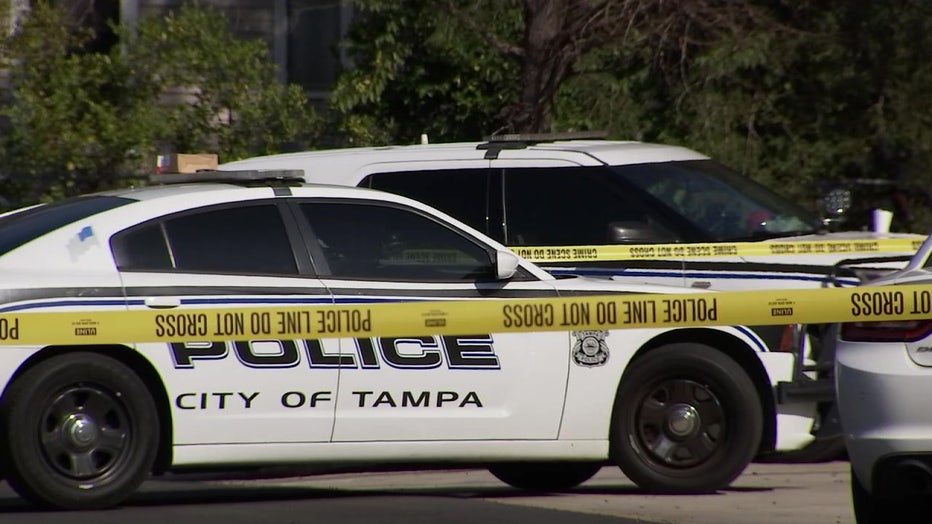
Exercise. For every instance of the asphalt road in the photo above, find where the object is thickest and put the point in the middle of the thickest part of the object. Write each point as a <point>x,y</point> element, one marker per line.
<point>765,494</point>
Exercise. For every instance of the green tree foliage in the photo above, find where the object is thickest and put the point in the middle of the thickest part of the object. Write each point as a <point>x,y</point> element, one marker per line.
<point>76,121</point>
<point>417,71</point>
<point>801,96</point>
<point>830,95</point>
<point>518,52</point>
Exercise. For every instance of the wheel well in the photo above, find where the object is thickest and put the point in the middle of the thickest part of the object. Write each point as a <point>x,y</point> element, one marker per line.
<point>143,369</point>
<point>738,351</point>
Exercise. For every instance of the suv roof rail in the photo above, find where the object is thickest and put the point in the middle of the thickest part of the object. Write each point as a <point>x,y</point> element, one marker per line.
<point>249,177</point>
<point>496,143</point>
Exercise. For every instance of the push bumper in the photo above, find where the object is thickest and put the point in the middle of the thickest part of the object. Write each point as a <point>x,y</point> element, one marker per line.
<point>821,390</point>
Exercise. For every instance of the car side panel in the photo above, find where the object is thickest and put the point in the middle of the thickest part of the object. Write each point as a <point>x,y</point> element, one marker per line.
<point>241,390</point>
<point>476,387</point>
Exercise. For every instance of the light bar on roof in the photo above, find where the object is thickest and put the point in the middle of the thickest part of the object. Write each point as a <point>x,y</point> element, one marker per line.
<point>242,176</point>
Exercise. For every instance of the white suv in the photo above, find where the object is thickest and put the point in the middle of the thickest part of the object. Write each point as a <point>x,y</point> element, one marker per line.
<point>534,192</point>
<point>527,191</point>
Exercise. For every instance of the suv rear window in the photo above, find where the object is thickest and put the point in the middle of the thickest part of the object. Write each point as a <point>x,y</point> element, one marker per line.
<point>29,224</point>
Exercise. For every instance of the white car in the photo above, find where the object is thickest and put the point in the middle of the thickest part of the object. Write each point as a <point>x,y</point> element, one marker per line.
<point>548,190</point>
<point>82,425</point>
<point>540,193</point>
<point>884,378</point>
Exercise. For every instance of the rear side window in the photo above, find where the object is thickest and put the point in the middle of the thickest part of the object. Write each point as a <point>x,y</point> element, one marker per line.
<point>462,194</point>
<point>242,240</point>
<point>27,225</point>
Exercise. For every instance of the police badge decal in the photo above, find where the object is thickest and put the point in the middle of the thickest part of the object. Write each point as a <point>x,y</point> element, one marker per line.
<point>590,348</point>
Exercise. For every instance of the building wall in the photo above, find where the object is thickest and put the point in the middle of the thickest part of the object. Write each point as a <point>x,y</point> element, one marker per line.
<point>302,35</point>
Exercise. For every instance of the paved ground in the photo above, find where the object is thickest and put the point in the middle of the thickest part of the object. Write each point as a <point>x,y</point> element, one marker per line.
<point>765,494</point>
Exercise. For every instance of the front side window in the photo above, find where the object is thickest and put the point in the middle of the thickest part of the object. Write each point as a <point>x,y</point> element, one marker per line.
<point>378,242</point>
<point>578,206</point>
<point>242,240</point>
<point>725,205</point>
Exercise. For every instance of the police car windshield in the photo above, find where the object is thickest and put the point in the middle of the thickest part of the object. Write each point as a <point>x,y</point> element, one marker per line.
<point>20,227</point>
<point>725,205</point>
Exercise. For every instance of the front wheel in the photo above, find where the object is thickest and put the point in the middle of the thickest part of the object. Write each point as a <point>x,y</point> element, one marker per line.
<point>687,419</point>
<point>79,431</point>
<point>545,477</point>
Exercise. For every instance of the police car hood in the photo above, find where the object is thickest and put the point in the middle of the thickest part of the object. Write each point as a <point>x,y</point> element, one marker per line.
<point>578,284</point>
<point>847,235</point>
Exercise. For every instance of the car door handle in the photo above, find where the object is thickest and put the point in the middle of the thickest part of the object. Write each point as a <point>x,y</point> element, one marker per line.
<point>702,284</point>
<point>163,302</point>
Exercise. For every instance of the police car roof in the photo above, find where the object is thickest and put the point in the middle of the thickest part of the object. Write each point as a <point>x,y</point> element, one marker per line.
<point>333,165</point>
<point>154,192</point>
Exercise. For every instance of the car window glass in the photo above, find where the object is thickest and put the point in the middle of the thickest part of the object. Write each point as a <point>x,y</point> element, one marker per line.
<point>143,249</point>
<point>241,239</point>
<point>23,226</point>
<point>461,193</point>
<point>725,205</point>
<point>575,206</point>
<point>388,243</point>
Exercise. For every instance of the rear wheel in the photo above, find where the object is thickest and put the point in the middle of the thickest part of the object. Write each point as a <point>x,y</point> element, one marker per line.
<point>79,431</point>
<point>545,477</point>
<point>687,419</point>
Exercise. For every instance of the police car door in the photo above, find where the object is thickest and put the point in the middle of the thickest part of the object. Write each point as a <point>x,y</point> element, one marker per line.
<point>244,389</point>
<point>478,386</point>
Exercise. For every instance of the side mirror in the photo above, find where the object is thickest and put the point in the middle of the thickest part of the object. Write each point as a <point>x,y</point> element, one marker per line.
<point>506,263</point>
<point>834,206</point>
<point>637,232</point>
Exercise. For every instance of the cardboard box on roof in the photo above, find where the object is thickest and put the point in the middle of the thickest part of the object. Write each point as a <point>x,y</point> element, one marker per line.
<point>186,163</point>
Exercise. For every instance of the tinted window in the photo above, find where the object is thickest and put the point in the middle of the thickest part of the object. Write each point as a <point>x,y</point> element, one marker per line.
<point>21,227</point>
<point>567,206</point>
<point>725,205</point>
<point>143,248</point>
<point>462,194</point>
<point>243,239</point>
<point>387,243</point>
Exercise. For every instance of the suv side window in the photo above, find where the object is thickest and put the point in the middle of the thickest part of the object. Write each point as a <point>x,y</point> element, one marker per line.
<point>573,206</point>
<point>245,239</point>
<point>461,193</point>
<point>379,242</point>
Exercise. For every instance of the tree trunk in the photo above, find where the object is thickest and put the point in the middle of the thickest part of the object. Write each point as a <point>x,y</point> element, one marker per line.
<point>547,62</point>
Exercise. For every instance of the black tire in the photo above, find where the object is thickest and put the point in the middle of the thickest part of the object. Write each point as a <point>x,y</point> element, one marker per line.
<point>79,431</point>
<point>687,419</point>
<point>545,477</point>
<point>870,509</point>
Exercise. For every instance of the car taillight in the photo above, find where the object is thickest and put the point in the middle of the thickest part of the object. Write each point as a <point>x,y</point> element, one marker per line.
<point>886,331</point>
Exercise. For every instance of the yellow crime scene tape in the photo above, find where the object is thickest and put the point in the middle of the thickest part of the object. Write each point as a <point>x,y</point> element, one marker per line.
<point>717,249</point>
<point>464,317</point>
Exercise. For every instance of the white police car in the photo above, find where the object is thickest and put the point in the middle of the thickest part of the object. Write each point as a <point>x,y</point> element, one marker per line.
<point>82,425</point>
<point>884,380</point>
